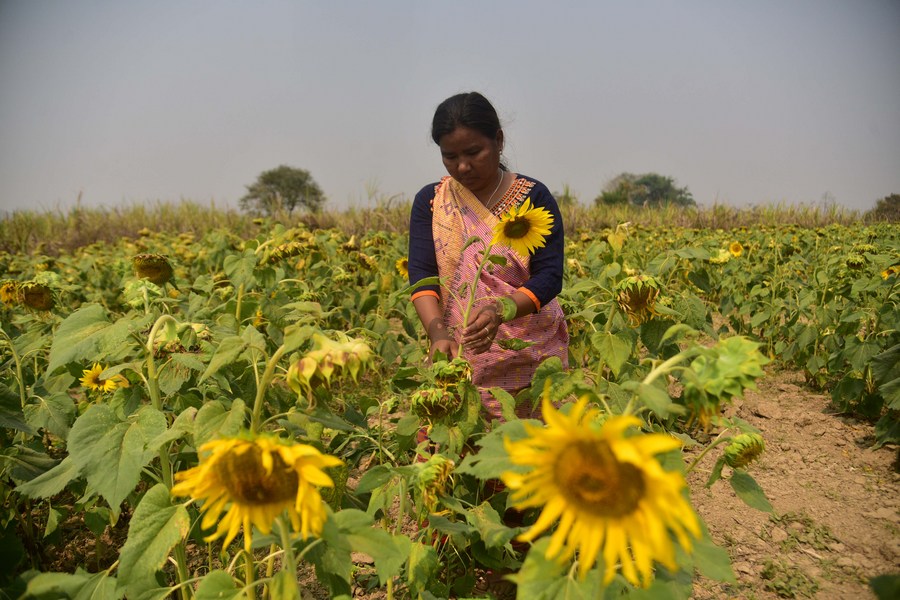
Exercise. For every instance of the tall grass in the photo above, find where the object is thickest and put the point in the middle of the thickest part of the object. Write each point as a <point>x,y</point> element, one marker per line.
<point>52,232</point>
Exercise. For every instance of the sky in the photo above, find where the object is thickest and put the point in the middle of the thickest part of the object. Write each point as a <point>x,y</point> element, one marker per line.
<point>745,103</point>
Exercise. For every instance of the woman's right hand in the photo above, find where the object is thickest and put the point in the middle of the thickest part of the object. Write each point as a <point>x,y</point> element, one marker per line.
<point>447,346</point>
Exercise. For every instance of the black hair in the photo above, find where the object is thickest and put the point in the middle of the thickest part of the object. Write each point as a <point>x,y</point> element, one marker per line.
<point>470,110</point>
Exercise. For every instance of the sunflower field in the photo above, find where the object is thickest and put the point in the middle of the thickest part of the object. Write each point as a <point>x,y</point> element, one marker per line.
<point>248,413</point>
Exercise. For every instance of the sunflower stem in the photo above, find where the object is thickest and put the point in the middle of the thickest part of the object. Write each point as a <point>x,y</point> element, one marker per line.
<point>270,569</point>
<point>287,560</point>
<point>237,307</point>
<point>261,388</point>
<point>472,290</point>
<point>719,439</point>
<point>20,379</point>
<point>249,568</point>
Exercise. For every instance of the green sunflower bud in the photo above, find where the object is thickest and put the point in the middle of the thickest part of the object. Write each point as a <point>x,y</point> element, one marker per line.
<point>744,449</point>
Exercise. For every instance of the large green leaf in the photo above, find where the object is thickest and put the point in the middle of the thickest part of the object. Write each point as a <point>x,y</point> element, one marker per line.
<point>111,452</point>
<point>389,551</point>
<point>53,481</point>
<point>55,413</point>
<point>614,349</point>
<point>749,491</point>
<point>73,586</point>
<point>227,352</point>
<point>87,335</point>
<point>491,460</point>
<point>239,268</point>
<point>155,528</point>
<point>543,579</point>
<point>486,520</point>
<point>712,561</point>
<point>218,585</point>
<point>214,421</point>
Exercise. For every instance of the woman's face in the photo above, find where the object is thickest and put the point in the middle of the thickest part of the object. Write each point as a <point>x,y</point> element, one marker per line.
<point>472,158</point>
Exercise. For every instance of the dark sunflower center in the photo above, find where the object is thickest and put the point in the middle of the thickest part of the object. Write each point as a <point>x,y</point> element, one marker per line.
<point>594,480</point>
<point>517,228</point>
<point>247,482</point>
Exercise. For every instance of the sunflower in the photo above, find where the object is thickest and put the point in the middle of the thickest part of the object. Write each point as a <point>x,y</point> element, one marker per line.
<point>744,449</point>
<point>609,493</point>
<point>9,293</point>
<point>736,249</point>
<point>36,295</point>
<point>93,381</point>
<point>402,266</point>
<point>524,228</point>
<point>636,296</point>
<point>153,267</point>
<point>253,480</point>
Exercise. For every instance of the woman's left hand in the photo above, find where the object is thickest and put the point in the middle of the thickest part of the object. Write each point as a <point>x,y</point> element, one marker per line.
<point>479,334</point>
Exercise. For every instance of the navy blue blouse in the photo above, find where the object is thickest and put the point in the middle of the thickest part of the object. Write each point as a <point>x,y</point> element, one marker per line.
<point>546,263</point>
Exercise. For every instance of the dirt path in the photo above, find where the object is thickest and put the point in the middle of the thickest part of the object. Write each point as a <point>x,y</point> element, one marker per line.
<point>837,502</point>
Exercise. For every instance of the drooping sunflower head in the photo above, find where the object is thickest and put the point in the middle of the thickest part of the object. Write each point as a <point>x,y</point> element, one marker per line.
<point>152,267</point>
<point>524,228</point>
<point>402,266</point>
<point>856,261</point>
<point>636,296</point>
<point>736,249</point>
<point>608,492</point>
<point>434,403</point>
<point>251,480</point>
<point>434,477</point>
<point>744,449</point>
<point>36,295</point>
<point>452,372</point>
<point>285,251</point>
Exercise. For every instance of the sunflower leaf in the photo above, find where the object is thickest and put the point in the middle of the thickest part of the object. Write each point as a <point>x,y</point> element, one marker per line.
<point>749,491</point>
<point>78,585</point>
<point>111,452</point>
<point>155,528</point>
<point>87,335</point>
<point>218,585</point>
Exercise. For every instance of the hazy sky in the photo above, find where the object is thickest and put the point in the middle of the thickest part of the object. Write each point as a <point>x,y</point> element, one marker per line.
<point>743,102</point>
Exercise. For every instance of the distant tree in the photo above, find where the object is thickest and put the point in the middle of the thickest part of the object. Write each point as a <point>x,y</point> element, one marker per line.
<point>648,190</point>
<point>283,188</point>
<point>887,209</point>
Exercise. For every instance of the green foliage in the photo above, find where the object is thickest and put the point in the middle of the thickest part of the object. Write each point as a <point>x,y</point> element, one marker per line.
<point>648,190</point>
<point>283,188</point>
<point>886,209</point>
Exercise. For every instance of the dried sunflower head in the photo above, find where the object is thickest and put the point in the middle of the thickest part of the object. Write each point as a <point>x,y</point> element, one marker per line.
<point>36,295</point>
<point>636,296</point>
<point>152,267</point>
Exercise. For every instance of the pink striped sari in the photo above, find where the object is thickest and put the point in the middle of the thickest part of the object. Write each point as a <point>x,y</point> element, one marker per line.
<point>458,215</point>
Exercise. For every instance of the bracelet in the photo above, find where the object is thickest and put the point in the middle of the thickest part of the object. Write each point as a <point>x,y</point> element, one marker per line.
<point>507,308</point>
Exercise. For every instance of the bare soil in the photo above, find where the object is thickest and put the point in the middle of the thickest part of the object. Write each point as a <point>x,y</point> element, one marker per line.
<point>836,520</point>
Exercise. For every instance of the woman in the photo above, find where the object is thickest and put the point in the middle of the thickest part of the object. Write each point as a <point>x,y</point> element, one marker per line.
<point>469,202</point>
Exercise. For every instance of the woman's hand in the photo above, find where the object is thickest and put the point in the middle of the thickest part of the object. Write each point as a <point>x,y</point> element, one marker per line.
<point>447,346</point>
<point>479,334</point>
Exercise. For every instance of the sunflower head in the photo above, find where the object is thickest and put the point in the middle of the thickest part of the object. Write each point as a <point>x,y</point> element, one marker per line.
<point>744,449</point>
<point>285,251</point>
<point>152,267</point>
<point>91,380</point>
<point>402,266</point>
<point>524,228</point>
<point>608,492</point>
<point>736,249</point>
<point>434,403</point>
<point>9,293</point>
<point>434,477</point>
<point>636,296</point>
<point>856,261</point>
<point>450,373</point>
<point>252,479</point>
<point>36,295</point>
